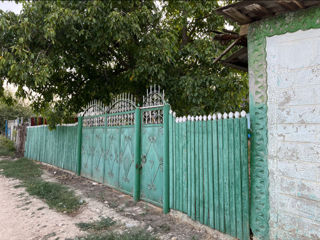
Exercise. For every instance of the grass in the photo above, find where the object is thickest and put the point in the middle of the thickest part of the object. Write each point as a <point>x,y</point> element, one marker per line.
<point>99,225</point>
<point>7,147</point>
<point>131,235</point>
<point>56,195</point>
<point>22,169</point>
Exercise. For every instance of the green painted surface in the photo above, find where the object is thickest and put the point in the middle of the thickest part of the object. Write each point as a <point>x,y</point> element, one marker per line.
<point>98,151</point>
<point>166,183</point>
<point>152,163</point>
<point>226,186</point>
<point>245,180</point>
<point>258,31</point>
<point>220,180</point>
<point>205,174</point>
<point>217,179</point>
<point>215,166</point>
<point>112,160</point>
<point>86,152</point>
<point>108,156</point>
<point>231,177</point>
<point>210,189</point>
<point>184,169</point>
<point>193,173</point>
<point>197,170</point>
<point>238,189</point>
<point>57,147</point>
<point>127,166</point>
<point>188,137</point>
<point>171,163</point>
<point>79,146</point>
<point>200,179</point>
<point>176,167</point>
<point>137,155</point>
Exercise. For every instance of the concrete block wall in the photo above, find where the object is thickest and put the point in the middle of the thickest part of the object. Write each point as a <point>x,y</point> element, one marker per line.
<point>293,90</point>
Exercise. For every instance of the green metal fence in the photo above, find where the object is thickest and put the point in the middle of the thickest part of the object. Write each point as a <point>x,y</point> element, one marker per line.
<point>209,171</point>
<point>196,165</point>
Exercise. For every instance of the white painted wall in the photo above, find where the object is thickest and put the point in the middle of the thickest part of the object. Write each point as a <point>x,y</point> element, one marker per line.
<point>293,71</point>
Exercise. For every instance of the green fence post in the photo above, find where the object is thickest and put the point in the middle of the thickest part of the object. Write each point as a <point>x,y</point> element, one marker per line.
<point>79,145</point>
<point>166,186</point>
<point>137,154</point>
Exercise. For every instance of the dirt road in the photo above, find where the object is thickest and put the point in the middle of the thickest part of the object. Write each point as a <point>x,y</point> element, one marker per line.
<point>23,217</point>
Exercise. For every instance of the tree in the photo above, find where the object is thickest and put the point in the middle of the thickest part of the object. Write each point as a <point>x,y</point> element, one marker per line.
<point>62,54</point>
<point>11,109</point>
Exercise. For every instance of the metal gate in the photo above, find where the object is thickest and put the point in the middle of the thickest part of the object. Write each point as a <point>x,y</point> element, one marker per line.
<point>108,140</point>
<point>110,136</point>
<point>152,147</point>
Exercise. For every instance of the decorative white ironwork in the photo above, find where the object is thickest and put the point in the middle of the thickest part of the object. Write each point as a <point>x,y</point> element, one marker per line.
<point>153,116</point>
<point>120,110</point>
<point>96,112</point>
<point>154,98</point>
<point>121,104</point>
<point>94,108</point>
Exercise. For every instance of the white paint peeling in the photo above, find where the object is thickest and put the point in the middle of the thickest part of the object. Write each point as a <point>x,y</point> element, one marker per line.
<point>293,70</point>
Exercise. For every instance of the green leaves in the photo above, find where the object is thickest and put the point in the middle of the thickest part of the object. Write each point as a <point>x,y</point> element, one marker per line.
<point>69,52</point>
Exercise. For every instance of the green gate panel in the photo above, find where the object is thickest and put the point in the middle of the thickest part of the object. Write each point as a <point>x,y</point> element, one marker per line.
<point>108,156</point>
<point>152,164</point>
<point>87,152</point>
<point>112,157</point>
<point>99,154</point>
<point>127,166</point>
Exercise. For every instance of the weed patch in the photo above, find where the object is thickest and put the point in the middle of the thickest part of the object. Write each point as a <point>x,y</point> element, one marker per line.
<point>22,169</point>
<point>99,225</point>
<point>7,147</point>
<point>56,195</point>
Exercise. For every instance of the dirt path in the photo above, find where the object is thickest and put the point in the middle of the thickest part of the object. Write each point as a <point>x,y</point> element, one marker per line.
<point>23,217</point>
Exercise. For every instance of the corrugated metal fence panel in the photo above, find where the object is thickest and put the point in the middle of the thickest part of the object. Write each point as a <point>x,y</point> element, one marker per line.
<point>56,147</point>
<point>209,172</point>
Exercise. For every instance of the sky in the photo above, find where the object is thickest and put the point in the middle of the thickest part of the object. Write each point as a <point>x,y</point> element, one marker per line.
<point>10,6</point>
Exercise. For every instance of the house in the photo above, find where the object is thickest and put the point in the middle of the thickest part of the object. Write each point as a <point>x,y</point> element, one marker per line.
<point>284,77</point>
